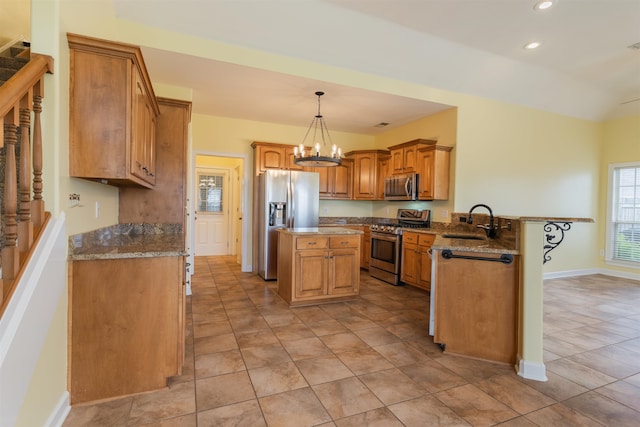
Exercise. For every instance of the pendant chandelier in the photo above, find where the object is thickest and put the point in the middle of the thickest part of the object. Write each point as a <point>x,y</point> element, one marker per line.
<point>318,155</point>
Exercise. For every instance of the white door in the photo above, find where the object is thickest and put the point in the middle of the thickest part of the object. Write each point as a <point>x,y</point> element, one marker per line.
<point>212,213</point>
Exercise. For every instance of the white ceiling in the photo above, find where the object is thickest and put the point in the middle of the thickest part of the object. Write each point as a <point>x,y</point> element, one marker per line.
<point>583,69</point>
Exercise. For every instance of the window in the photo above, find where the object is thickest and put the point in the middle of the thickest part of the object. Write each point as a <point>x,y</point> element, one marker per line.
<point>210,188</point>
<point>623,225</point>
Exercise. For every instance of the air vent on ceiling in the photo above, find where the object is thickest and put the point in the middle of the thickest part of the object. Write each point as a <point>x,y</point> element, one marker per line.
<point>635,46</point>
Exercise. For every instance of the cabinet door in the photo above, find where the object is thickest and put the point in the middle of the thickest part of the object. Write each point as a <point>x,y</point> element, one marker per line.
<point>409,266</point>
<point>289,164</point>
<point>344,274</point>
<point>424,267</point>
<point>426,160</point>
<point>324,186</point>
<point>364,176</point>
<point>269,157</point>
<point>141,150</point>
<point>311,274</point>
<point>397,161</point>
<point>342,180</point>
<point>365,253</point>
<point>384,170</point>
<point>409,159</point>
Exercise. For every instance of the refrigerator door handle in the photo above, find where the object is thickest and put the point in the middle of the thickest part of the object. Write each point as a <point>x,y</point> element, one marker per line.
<point>292,211</point>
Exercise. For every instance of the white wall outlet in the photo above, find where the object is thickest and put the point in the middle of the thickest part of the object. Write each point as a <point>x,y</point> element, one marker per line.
<point>601,252</point>
<point>444,213</point>
<point>97,209</point>
<point>386,210</point>
<point>325,210</point>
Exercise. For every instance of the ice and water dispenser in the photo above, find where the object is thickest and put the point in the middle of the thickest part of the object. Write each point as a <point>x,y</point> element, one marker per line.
<point>277,214</point>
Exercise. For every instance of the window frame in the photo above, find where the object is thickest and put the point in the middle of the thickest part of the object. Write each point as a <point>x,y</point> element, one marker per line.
<point>610,224</point>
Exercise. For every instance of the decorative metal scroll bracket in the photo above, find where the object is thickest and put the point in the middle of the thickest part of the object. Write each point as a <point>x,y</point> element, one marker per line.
<point>554,235</point>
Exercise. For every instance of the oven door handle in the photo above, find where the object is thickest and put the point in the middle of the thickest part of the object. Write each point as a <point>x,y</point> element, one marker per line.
<point>387,237</point>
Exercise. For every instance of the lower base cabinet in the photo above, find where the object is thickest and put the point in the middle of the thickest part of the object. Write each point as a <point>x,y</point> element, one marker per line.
<point>416,259</point>
<point>319,268</point>
<point>126,326</point>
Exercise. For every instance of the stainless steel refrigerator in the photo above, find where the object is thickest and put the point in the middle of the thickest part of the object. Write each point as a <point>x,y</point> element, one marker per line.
<point>287,199</point>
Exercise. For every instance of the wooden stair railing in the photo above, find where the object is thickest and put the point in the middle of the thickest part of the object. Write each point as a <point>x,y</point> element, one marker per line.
<point>22,217</point>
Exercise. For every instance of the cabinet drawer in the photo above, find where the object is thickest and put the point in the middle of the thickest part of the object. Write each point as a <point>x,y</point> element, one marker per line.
<point>411,238</point>
<point>312,242</point>
<point>426,239</point>
<point>344,242</point>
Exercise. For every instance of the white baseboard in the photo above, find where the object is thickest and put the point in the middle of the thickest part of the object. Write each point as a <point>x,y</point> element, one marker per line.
<point>531,370</point>
<point>586,272</point>
<point>60,412</point>
<point>570,273</point>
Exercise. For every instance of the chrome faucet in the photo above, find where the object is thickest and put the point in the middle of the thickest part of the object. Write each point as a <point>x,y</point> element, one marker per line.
<point>490,228</point>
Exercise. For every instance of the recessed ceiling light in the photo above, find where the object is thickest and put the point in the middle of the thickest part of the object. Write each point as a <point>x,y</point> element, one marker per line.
<point>532,45</point>
<point>543,4</point>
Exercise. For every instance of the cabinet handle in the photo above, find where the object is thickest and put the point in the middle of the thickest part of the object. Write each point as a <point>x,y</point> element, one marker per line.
<point>311,243</point>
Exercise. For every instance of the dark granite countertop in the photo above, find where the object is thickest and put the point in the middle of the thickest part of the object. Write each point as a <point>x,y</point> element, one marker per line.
<point>128,241</point>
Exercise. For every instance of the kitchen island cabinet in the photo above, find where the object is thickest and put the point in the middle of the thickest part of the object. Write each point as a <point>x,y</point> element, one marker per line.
<point>126,310</point>
<point>318,264</point>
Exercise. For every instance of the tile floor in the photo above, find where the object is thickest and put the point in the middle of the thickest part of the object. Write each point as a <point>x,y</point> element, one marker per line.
<point>253,361</point>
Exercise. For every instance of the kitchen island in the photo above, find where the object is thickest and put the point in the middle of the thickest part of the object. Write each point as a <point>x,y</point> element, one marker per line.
<point>126,310</point>
<point>318,264</point>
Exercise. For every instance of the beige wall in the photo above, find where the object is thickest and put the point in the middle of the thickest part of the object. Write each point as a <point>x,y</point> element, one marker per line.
<point>621,144</point>
<point>15,16</point>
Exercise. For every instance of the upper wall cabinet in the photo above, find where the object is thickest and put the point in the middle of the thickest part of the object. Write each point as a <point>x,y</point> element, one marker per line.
<point>432,166</point>
<point>366,173</point>
<point>404,156</point>
<point>113,113</point>
<point>429,161</point>
<point>269,155</point>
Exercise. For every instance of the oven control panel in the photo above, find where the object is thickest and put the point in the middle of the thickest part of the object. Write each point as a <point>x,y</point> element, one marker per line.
<point>386,228</point>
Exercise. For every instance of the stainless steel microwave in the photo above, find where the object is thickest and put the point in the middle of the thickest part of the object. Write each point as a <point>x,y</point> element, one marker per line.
<point>401,187</point>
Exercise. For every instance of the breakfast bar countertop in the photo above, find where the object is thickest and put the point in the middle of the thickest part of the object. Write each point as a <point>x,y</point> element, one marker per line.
<point>128,241</point>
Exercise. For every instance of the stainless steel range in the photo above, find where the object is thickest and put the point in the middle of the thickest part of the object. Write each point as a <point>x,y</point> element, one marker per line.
<point>386,243</point>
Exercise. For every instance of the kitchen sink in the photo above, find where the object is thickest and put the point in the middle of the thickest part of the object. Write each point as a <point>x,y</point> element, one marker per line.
<point>464,236</point>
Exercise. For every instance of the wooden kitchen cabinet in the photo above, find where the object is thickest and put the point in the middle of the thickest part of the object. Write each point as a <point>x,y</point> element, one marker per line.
<point>318,268</point>
<point>126,326</point>
<point>112,113</point>
<point>365,173</point>
<point>168,201</point>
<point>404,156</point>
<point>365,244</point>
<point>433,171</point>
<point>384,170</point>
<point>336,182</point>
<point>269,155</point>
<point>476,306</point>
<point>415,267</point>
